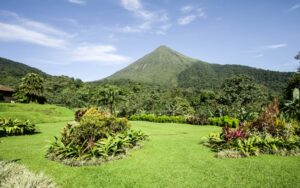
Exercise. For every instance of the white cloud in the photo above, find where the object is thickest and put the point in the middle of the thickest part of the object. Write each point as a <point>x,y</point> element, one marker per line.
<point>186,19</point>
<point>78,2</point>
<point>132,5</point>
<point>33,25</point>
<point>260,51</point>
<point>130,29</point>
<point>17,29</point>
<point>160,32</point>
<point>151,20</point>
<point>136,7</point>
<point>193,14</point>
<point>258,56</point>
<point>166,27</point>
<point>187,8</point>
<point>29,31</point>
<point>294,7</point>
<point>96,53</point>
<point>275,46</point>
<point>200,13</point>
<point>11,32</point>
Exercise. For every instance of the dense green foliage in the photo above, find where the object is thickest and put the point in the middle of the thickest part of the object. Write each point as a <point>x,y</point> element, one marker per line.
<point>224,121</point>
<point>66,91</point>
<point>268,134</point>
<point>158,119</point>
<point>9,127</point>
<point>291,104</point>
<point>31,89</point>
<point>193,120</point>
<point>16,175</point>
<point>163,82</point>
<point>98,137</point>
<point>172,157</point>
<point>109,96</point>
<point>211,77</point>
<point>294,82</point>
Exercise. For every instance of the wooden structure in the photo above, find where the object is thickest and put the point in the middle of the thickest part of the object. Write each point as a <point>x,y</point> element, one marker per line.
<point>6,93</point>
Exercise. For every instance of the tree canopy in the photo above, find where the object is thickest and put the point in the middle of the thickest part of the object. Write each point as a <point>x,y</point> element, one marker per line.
<point>31,89</point>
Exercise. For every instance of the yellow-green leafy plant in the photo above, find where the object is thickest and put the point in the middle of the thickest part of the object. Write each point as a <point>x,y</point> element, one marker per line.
<point>98,137</point>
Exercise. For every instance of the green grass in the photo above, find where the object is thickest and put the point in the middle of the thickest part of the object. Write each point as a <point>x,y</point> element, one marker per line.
<point>172,158</point>
<point>36,113</point>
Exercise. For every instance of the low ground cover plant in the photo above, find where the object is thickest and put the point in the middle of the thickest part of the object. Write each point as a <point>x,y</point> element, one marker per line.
<point>224,121</point>
<point>10,127</point>
<point>193,120</point>
<point>16,175</point>
<point>158,119</point>
<point>98,137</point>
<point>269,134</point>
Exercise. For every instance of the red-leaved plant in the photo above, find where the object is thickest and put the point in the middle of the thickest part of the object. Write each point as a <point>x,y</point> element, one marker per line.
<point>229,134</point>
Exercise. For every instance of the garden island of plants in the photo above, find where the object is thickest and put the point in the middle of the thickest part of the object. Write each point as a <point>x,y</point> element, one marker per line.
<point>165,120</point>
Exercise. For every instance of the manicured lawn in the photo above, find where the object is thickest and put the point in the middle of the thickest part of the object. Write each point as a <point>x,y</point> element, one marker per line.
<point>36,113</point>
<point>172,158</point>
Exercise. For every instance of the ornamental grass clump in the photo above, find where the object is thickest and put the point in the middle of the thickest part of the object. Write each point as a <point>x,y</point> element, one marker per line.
<point>16,175</point>
<point>13,127</point>
<point>269,134</point>
<point>98,137</point>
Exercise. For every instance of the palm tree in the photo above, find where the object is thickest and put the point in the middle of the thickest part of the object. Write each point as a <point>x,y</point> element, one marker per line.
<point>109,95</point>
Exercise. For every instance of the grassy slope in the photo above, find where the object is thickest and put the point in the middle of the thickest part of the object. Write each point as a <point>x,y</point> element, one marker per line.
<point>36,113</point>
<point>172,158</point>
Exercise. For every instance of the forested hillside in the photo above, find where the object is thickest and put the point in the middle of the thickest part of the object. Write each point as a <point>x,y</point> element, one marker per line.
<point>11,72</point>
<point>211,76</point>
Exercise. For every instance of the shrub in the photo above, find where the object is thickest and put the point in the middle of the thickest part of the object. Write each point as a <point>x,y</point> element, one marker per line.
<point>15,175</point>
<point>267,120</point>
<point>224,121</point>
<point>9,127</point>
<point>97,138</point>
<point>79,113</point>
<point>104,122</point>
<point>244,115</point>
<point>270,122</point>
<point>158,119</point>
<point>197,120</point>
<point>268,134</point>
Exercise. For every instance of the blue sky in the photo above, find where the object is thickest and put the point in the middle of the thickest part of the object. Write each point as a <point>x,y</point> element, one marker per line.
<point>91,39</point>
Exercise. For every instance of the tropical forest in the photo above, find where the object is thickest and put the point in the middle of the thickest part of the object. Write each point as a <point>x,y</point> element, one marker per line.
<point>114,94</point>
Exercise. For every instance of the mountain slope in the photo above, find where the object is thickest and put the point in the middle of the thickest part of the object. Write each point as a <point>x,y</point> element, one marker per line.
<point>162,66</point>
<point>197,76</point>
<point>165,66</point>
<point>11,72</point>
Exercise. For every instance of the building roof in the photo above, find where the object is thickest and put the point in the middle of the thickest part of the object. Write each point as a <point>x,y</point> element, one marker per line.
<point>6,88</point>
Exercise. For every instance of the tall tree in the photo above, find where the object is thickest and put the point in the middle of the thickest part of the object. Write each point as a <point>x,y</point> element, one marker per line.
<point>242,90</point>
<point>31,89</point>
<point>294,82</point>
<point>109,95</point>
